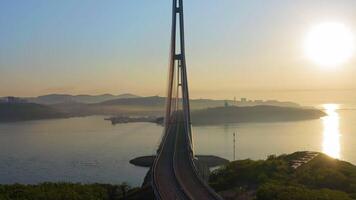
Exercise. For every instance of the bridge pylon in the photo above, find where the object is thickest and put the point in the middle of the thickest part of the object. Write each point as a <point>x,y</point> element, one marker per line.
<point>178,92</point>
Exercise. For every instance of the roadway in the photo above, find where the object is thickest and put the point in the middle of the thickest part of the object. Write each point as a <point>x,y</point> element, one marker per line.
<point>164,179</point>
<point>174,174</point>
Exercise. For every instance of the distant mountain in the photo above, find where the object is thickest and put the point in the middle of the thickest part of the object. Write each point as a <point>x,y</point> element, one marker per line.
<point>27,111</point>
<point>154,106</point>
<point>128,99</point>
<point>194,103</point>
<point>65,98</point>
<point>234,114</point>
<point>51,99</point>
<point>161,101</point>
<point>127,96</point>
<point>129,104</point>
<point>138,101</point>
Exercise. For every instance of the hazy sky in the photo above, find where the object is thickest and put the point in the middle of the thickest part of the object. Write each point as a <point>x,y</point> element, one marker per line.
<point>117,46</point>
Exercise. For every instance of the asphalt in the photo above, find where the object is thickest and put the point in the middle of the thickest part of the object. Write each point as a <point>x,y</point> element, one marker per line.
<point>164,178</point>
<point>175,176</point>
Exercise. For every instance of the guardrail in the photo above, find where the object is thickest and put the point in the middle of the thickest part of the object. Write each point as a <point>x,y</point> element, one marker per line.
<point>210,190</point>
<point>159,152</point>
<point>197,174</point>
<point>187,147</point>
<point>154,183</point>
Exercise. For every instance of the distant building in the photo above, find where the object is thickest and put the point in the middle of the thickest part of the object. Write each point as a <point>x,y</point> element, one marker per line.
<point>226,104</point>
<point>14,100</point>
<point>258,101</point>
<point>243,100</point>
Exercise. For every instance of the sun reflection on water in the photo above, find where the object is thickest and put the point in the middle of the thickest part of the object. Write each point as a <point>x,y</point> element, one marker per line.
<point>331,134</point>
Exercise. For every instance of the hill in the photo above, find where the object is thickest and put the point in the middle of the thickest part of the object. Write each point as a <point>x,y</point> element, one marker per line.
<point>27,111</point>
<point>322,178</point>
<point>130,104</point>
<point>194,103</point>
<point>155,105</point>
<point>234,114</point>
<point>65,98</point>
<point>137,101</point>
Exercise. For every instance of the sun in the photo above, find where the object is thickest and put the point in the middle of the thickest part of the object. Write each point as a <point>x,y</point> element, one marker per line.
<point>329,44</point>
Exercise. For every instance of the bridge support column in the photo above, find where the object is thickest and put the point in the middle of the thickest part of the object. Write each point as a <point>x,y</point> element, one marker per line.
<point>178,81</point>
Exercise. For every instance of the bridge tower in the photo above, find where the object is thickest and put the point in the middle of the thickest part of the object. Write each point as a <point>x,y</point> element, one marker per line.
<point>178,94</point>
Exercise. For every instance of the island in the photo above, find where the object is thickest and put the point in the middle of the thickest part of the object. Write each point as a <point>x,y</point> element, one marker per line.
<point>235,114</point>
<point>261,113</point>
<point>125,119</point>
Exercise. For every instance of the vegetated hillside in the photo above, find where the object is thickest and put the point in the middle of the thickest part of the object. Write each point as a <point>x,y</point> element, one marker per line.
<point>140,101</point>
<point>51,99</point>
<point>323,178</point>
<point>27,111</point>
<point>154,105</point>
<point>65,98</point>
<point>158,103</point>
<point>69,191</point>
<point>234,114</point>
<point>129,104</point>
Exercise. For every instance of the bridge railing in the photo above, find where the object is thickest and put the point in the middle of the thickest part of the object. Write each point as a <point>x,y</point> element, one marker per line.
<point>199,177</point>
<point>159,152</point>
<point>153,179</point>
<point>197,173</point>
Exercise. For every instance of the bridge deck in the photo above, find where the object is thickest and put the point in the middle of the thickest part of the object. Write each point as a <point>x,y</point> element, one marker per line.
<point>163,172</point>
<point>193,186</point>
<point>174,174</point>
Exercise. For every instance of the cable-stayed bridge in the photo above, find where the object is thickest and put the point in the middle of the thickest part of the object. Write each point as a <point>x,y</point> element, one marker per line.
<point>174,171</point>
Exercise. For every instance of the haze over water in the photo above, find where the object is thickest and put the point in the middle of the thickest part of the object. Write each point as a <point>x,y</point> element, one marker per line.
<point>92,150</point>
